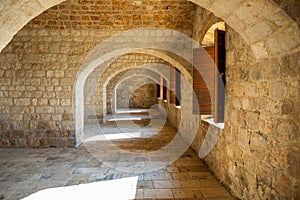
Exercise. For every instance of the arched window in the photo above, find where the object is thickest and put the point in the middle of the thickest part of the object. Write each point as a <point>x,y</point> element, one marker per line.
<point>209,38</point>
<point>209,61</point>
<point>175,81</point>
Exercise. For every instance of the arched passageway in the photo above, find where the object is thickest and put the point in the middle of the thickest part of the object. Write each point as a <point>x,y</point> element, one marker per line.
<point>248,18</point>
<point>106,51</point>
<point>262,124</point>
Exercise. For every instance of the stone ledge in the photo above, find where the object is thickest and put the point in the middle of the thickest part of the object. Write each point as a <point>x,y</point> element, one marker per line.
<point>209,119</point>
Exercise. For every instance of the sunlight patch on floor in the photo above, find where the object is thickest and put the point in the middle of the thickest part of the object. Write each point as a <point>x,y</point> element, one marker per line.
<point>124,188</point>
<point>132,110</point>
<point>116,136</point>
<point>126,119</point>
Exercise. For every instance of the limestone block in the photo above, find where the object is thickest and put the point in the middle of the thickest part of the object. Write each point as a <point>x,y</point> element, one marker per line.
<point>264,174</point>
<point>45,117</point>
<point>243,139</point>
<point>275,154</point>
<point>293,159</point>
<point>42,102</point>
<point>44,109</point>
<point>260,50</point>
<point>67,117</point>
<point>22,101</point>
<point>283,185</point>
<point>54,47</point>
<point>252,120</point>
<point>236,103</point>
<point>251,90</point>
<point>56,117</point>
<point>251,11</point>
<point>273,106</point>
<point>222,10</point>
<point>278,90</point>
<point>286,66</point>
<point>258,32</point>
<point>263,88</point>
<point>287,130</point>
<point>258,146</point>
<point>65,102</point>
<point>47,4</point>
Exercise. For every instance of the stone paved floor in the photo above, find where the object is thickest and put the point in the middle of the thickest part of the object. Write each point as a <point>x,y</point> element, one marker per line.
<point>27,171</point>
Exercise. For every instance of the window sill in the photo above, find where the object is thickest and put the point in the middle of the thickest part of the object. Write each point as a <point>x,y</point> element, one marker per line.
<point>209,119</point>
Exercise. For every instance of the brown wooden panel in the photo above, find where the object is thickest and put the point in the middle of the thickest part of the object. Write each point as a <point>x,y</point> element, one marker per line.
<point>165,89</point>
<point>173,85</point>
<point>203,61</point>
<point>158,90</point>
<point>175,91</point>
<point>178,88</point>
<point>161,87</point>
<point>220,76</point>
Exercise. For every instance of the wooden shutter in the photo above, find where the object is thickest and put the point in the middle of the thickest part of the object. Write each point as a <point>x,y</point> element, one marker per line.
<point>178,87</point>
<point>220,76</point>
<point>158,90</point>
<point>161,87</point>
<point>203,61</point>
<point>172,85</point>
<point>164,89</point>
<point>175,93</point>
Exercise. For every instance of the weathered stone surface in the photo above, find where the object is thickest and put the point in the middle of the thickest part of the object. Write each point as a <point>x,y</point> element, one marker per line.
<point>143,96</point>
<point>259,123</point>
<point>120,68</point>
<point>39,67</point>
<point>293,159</point>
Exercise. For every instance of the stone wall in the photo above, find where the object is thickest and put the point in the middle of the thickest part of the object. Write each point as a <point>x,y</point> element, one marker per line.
<point>129,64</point>
<point>39,67</point>
<point>259,147</point>
<point>116,14</point>
<point>291,7</point>
<point>173,113</point>
<point>38,73</point>
<point>257,155</point>
<point>136,92</point>
<point>202,21</point>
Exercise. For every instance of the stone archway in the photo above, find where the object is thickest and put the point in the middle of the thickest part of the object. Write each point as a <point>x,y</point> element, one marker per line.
<point>16,14</point>
<point>208,39</point>
<point>116,104</point>
<point>261,24</point>
<point>139,43</point>
<point>96,102</point>
<point>249,18</point>
<point>156,68</point>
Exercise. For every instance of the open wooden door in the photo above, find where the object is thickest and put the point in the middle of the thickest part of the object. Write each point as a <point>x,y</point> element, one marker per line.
<point>220,76</point>
<point>203,61</point>
<point>172,85</point>
<point>178,87</point>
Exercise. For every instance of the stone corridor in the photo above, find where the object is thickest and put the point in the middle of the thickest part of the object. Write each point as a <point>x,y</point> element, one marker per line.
<point>226,73</point>
<point>24,172</point>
